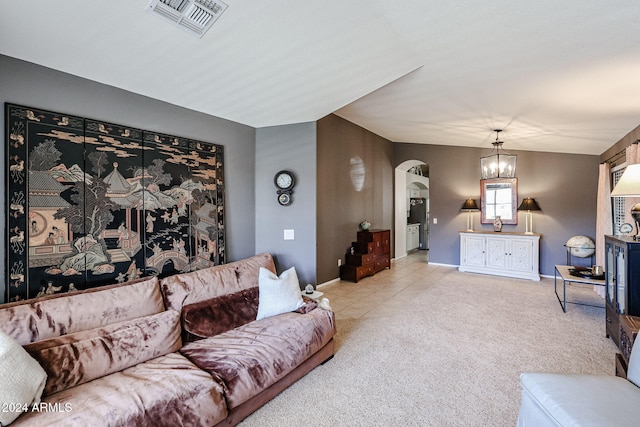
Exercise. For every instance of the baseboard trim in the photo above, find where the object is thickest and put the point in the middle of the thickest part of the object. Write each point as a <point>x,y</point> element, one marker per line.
<point>337,279</point>
<point>443,265</point>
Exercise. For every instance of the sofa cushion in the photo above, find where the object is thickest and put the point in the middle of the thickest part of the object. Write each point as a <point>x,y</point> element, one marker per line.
<point>166,391</point>
<point>74,359</point>
<point>56,315</point>
<point>248,359</point>
<point>217,315</point>
<point>201,285</point>
<point>278,294</point>
<point>578,400</point>
<point>22,379</point>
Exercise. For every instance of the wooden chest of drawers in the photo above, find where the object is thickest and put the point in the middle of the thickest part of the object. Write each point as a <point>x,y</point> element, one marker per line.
<point>368,255</point>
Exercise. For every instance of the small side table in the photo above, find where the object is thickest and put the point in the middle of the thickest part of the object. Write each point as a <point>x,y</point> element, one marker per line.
<point>315,295</point>
<point>565,275</point>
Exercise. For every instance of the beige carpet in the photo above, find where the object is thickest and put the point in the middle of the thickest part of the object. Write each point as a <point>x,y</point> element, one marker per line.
<point>451,357</point>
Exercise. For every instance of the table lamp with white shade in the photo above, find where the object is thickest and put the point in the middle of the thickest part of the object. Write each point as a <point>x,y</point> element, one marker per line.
<point>629,186</point>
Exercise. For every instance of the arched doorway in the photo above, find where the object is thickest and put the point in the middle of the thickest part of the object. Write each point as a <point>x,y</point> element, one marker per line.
<point>404,183</point>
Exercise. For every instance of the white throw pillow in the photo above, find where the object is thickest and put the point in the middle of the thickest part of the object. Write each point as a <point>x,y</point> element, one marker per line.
<point>278,294</point>
<point>22,379</point>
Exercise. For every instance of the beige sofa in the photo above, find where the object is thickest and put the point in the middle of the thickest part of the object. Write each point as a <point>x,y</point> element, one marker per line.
<point>183,351</point>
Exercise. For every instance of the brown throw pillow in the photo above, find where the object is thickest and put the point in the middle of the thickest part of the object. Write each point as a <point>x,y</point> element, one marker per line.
<point>217,315</point>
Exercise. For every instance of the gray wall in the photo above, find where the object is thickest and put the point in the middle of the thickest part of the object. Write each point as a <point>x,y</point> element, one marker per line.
<point>564,185</point>
<point>340,207</point>
<point>35,86</point>
<point>293,148</point>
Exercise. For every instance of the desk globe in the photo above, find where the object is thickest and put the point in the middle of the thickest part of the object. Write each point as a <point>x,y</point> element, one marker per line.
<point>581,246</point>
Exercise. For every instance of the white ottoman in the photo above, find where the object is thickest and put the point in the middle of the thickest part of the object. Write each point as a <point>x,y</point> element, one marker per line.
<point>582,400</point>
<point>578,400</point>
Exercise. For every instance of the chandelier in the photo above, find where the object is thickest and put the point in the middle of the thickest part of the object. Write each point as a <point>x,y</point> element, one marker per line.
<point>498,164</point>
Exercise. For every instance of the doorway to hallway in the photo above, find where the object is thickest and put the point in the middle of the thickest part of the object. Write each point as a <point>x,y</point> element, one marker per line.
<point>411,208</point>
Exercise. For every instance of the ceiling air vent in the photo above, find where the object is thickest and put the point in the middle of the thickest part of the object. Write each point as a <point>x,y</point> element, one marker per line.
<point>195,16</point>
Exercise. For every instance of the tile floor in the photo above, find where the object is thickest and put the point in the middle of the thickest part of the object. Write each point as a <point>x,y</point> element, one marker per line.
<point>389,291</point>
<point>394,287</point>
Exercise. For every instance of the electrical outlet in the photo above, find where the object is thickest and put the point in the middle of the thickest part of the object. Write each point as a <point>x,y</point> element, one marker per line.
<point>339,262</point>
<point>435,220</point>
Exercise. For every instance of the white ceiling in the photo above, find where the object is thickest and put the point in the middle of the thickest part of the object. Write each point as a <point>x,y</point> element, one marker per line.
<point>556,76</point>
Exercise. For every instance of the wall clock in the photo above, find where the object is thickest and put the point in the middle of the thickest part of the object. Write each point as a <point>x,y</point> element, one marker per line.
<point>284,181</point>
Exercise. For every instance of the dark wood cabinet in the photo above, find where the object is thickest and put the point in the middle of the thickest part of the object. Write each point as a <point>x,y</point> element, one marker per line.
<point>629,327</point>
<point>622,277</point>
<point>369,254</point>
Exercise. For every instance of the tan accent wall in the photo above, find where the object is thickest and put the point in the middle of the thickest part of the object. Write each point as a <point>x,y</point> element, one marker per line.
<point>340,206</point>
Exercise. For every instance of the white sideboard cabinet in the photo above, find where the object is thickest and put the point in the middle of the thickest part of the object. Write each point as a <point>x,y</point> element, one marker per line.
<point>500,254</point>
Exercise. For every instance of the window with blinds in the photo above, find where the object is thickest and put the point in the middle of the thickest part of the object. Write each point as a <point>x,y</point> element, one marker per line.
<point>618,203</point>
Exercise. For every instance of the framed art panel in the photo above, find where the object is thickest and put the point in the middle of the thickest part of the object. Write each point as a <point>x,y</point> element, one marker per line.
<point>38,183</point>
<point>111,242</point>
<point>207,206</point>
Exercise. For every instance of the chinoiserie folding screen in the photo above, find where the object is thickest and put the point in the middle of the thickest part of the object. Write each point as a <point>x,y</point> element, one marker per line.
<point>91,203</point>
